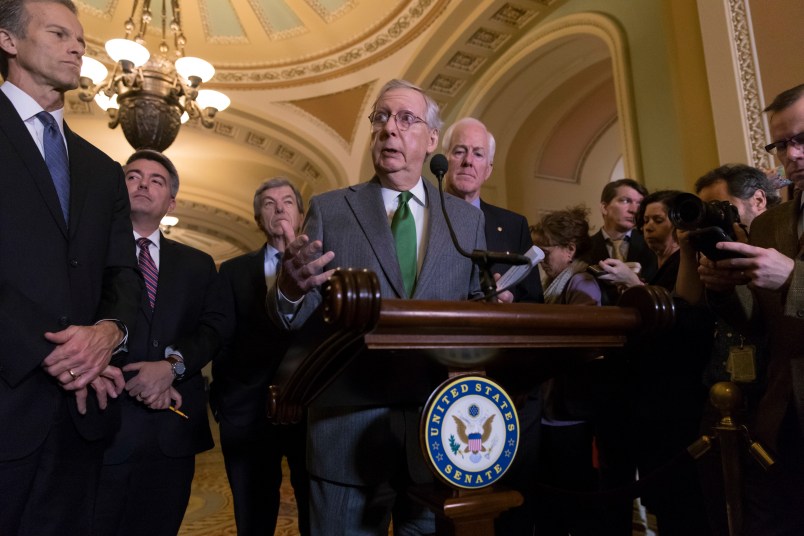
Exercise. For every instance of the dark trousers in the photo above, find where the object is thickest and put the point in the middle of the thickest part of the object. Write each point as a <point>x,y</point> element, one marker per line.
<point>521,521</point>
<point>253,457</point>
<point>565,462</point>
<point>145,495</point>
<point>52,490</point>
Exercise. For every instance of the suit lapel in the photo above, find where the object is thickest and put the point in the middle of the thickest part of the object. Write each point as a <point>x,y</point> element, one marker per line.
<point>786,230</point>
<point>257,270</point>
<point>79,167</point>
<point>20,138</point>
<point>438,240</point>
<point>369,210</point>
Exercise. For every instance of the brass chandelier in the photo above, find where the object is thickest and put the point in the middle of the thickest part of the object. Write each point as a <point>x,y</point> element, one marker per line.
<point>151,95</point>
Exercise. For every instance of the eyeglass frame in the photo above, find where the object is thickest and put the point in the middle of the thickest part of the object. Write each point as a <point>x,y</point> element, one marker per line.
<point>781,145</point>
<point>399,125</point>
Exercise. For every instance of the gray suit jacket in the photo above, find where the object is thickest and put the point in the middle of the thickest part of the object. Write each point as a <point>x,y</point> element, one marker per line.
<point>359,428</point>
<point>781,316</point>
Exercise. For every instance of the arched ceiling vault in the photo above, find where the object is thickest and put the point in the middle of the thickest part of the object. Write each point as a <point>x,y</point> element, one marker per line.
<point>302,75</point>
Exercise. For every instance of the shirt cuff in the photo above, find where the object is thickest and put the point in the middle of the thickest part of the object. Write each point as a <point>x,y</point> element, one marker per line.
<point>122,346</point>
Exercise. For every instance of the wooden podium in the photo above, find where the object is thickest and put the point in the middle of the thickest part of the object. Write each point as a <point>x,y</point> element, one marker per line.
<point>518,345</point>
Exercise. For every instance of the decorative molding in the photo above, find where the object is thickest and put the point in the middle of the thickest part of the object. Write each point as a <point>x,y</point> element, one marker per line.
<point>311,171</point>
<point>465,62</point>
<point>331,16</point>
<point>286,154</point>
<point>513,16</point>
<point>273,34</point>
<point>446,85</point>
<point>488,39</point>
<point>106,14</point>
<point>407,26</point>
<point>748,72</point>
<point>227,130</point>
<point>215,39</point>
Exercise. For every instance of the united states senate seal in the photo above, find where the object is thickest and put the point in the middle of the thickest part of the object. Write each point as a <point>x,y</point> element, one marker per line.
<point>469,432</point>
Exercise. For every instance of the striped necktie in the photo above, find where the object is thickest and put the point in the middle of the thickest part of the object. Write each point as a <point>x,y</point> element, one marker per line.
<point>56,160</point>
<point>148,268</point>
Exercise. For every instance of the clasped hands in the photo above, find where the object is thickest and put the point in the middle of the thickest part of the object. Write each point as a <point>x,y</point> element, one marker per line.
<point>81,359</point>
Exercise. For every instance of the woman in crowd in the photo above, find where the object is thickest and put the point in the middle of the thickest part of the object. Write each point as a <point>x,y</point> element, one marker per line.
<point>565,456</point>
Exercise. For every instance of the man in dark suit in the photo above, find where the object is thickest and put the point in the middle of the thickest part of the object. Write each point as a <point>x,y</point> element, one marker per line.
<point>764,291</point>
<point>618,238</point>
<point>252,446</point>
<point>68,280</point>
<point>363,447</point>
<point>149,465</point>
<point>470,150</point>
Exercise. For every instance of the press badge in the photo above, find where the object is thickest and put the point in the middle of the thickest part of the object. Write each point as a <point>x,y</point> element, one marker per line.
<point>742,363</point>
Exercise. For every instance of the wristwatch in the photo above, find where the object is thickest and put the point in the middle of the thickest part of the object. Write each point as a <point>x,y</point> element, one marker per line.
<point>177,364</point>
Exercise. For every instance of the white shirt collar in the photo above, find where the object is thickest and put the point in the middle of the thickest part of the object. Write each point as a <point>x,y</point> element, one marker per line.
<point>155,237</point>
<point>390,197</point>
<point>27,107</point>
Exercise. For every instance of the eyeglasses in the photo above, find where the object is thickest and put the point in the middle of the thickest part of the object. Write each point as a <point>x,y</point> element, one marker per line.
<point>780,146</point>
<point>404,119</point>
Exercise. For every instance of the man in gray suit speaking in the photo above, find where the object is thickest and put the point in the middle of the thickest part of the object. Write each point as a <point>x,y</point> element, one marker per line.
<point>363,448</point>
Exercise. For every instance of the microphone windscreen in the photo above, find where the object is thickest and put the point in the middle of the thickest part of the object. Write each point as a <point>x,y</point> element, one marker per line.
<point>439,165</point>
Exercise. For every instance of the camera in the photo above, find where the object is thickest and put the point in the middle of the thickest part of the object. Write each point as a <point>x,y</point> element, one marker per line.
<point>689,213</point>
<point>707,223</point>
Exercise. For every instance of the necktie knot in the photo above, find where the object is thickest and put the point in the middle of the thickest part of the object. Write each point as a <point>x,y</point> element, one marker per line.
<point>404,197</point>
<point>47,119</point>
<point>617,248</point>
<point>143,243</point>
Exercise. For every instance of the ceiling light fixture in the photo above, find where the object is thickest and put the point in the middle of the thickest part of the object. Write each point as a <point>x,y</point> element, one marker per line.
<point>151,95</point>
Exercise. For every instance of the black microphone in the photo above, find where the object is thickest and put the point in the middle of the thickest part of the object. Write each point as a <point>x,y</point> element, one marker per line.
<point>439,167</point>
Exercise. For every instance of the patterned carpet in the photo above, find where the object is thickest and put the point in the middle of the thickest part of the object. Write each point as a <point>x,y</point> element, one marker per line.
<point>210,512</point>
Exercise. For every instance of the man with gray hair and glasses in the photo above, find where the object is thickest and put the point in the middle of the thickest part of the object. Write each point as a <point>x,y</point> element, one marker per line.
<point>363,448</point>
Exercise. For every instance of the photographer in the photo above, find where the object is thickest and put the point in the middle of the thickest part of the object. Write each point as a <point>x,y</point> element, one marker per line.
<point>736,355</point>
<point>764,291</point>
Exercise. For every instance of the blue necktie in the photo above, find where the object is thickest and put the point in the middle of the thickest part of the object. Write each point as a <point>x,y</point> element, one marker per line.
<point>56,160</point>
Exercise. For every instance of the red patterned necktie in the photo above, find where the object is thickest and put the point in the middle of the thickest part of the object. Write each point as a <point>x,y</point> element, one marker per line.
<point>148,268</point>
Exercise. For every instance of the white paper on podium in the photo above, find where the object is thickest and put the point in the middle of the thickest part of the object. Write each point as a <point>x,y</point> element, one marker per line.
<point>515,274</point>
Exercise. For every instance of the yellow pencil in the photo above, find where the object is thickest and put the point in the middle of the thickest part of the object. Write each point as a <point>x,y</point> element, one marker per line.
<point>177,412</point>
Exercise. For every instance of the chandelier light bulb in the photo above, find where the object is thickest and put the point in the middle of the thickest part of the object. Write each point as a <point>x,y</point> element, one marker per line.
<point>209,98</point>
<point>188,66</point>
<point>93,69</point>
<point>126,49</point>
<point>105,102</point>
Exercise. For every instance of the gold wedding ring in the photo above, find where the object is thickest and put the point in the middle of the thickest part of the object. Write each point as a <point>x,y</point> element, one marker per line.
<point>73,374</point>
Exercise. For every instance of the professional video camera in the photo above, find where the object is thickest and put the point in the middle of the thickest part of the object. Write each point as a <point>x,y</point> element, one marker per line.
<point>707,223</point>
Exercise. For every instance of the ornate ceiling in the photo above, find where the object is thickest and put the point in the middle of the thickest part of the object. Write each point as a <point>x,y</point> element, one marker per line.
<point>301,75</point>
